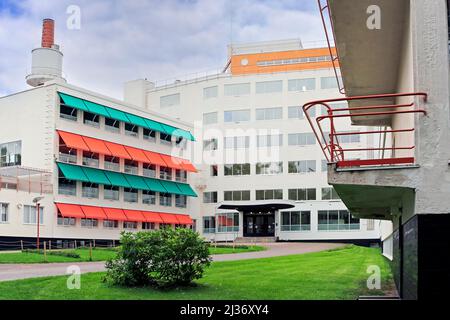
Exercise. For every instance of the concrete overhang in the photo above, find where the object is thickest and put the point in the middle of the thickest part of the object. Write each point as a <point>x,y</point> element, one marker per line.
<point>369,59</point>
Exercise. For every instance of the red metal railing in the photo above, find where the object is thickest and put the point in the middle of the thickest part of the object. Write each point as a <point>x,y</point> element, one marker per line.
<point>334,58</point>
<point>334,151</point>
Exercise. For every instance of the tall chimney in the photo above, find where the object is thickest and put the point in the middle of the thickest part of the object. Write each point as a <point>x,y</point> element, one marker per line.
<point>48,33</point>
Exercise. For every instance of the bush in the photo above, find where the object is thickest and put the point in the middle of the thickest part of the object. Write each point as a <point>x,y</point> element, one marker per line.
<point>162,258</point>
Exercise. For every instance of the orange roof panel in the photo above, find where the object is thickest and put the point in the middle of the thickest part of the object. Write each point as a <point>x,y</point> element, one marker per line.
<point>152,216</point>
<point>134,215</point>
<point>184,219</point>
<point>118,150</point>
<point>154,158</point>
<point>136,154</point>
<point>74,141</point>
<point>97,146</point>
<point>94,212</point>
<point>169,218</point>
<point>70,210</point>
<point>115,214</point>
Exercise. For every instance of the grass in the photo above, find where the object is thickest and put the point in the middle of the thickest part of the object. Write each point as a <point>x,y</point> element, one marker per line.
<point>336,274</point>
<point>98,254</point>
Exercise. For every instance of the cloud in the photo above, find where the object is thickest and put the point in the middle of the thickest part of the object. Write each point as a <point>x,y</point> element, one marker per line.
<point>124,40</point>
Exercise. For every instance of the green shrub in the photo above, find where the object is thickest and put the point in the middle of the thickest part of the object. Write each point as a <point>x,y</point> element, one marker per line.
<point>69,254</point>
<point>162,258</point>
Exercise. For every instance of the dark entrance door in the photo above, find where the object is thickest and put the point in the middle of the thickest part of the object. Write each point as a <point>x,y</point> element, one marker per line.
<point>259,225</point>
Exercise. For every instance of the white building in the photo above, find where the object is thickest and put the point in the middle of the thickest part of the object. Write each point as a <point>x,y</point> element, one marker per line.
<point>261,171</point>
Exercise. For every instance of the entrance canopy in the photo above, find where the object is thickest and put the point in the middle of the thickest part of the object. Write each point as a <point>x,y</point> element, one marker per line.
<point>257,206</point>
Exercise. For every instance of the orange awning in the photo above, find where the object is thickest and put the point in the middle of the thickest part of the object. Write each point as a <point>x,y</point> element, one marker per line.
<point>118,150</point>
<point>172,162</point>
<point>184,219</point>
<point>169,218</point>
<point>115,214</point>
<point>74,141</point>
<point>186,165</point>
<point>136,154</point>
<point>154,158</point>
<point>134,215</point>
<point>94,212</point>
<point>70,210</point>
<point>97,146</point>
<point>152,217</point>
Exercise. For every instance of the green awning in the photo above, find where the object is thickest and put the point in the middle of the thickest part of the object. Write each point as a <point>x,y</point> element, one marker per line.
<point>117,114</point>
<point>154,185</point>
<point>167,129</point>
<point>186,189</point>
<point>153,125</point>
<point>136,182</point>
<point>177,132</point>
<point>117,179</point>
<point>96,176</point>
<point>72,172</point>
<point>137,121</point>
<point>73,102</point>
<point>97,108</point>
<point>170,186</point>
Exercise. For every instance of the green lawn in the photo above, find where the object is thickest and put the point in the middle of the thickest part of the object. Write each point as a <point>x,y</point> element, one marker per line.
<point>98,254</point>
<point>336,274</point>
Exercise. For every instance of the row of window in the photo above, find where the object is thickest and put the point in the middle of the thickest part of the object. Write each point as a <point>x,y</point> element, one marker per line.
<point>10,154</point>
<point>300,194</point>
<point>279,62</point>
<point>29,214</point>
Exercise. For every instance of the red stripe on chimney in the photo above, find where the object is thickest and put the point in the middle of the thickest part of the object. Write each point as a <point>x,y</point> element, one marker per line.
<point>48,33</point>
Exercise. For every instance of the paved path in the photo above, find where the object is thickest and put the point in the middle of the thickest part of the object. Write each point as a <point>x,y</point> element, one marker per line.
<point>22,271</point>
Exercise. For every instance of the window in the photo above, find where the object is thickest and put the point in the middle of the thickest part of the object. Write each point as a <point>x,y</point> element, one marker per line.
<point>210,118</point>
<point>210,144</point>
<point>214,170</point>
<point>180,175</point>
<point>324,166</point>
<point>270,140</point>
<point>180,142</point>
<point>149,170</point>
<point>90,159</point>
<point>65,186</point>
<point>269,194</point>
<point>238,89</point>
<point>301,84</point>
<point>165,173</point>
<point>269,113</point>
<point>351,138</point>
<point>237,169</point>
<point>111,224</point>
<point>131,130</point>
<point>66,112</point>
<point>165,138</point>
<point>228,222</point>
<point>111,163</point>
<point>333,220</point>
<point>269,86</point>
<point>269,168</point>
<point>180,201</point>
<point>209,224</point>
<point>236,142</point>
<point>65,221</point>
<point>91,119</point>
<point>112,125</point>
<point>130,195</point>
<point>210,197</point>
<point>303,166</point>
<point>210,92</point>
<point>110,192</point>
<point>328,83</point>
<point>29,215</point>
<point>169,100</point>
<point>236,115</point>
<point>236,195</point>
<point>148,197</point>
<point>329,194</point>
<point>295,220</point>
<point>302,194</point>
<point>301,139</point>
<point>148,226</point>
<point>67,155</point>
<point>131,167</point>
<point>89,190</point>
<point>4,212</point>
<point>11,154</point>
<point>149,135</point>
<point>130,225</point>
<point>165,199</point>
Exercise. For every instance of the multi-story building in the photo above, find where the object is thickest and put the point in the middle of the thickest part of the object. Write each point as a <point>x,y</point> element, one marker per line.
<point>77,165</point>
<point>394,63</point>
<point>261,171</point>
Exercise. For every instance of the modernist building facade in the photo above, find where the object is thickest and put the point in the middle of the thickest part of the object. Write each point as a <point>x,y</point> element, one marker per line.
<point>261,172</point>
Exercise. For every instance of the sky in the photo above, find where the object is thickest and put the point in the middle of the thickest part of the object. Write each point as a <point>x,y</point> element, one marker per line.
<point>121,40</point>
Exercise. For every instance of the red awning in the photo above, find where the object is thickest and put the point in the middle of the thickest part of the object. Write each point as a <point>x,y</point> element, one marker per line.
<point>155,158</point>
<point>184,219</point>
<point>97,146</point>
<point>136,154</point>
<point>118,150</point>
<point>70,210</point>
<point>188,166</point>
<point>74,141</point>
<point>94,212</point>
<point>152,217</point>
<point>134,215</point>
<point>115,214</point>
<point>172,162</point>
<point>169,218</point>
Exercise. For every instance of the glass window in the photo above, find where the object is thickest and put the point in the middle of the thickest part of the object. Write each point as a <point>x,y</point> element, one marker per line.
<point>67,155</point>
<point>110,192</point>
<point>214,170</point>
<point>89,223</point>
<point>302,84</point>
<point>65,186</point>
<point>269,168</point>
<point>269,113</point>
<point>65,221</point>
<point>271,140</point>
<point>236,142</point>
<point>303,166</point>
<point>165,199</point>
<point>30,216</point>
<point>11,154</point>
<point>169,100</point>
<point>333,220</point>
<point>236,195</point>
<point>210,144</point>
<point>236,115</point>
<point>295,220</point>
<point>149,135</point>
<point>302,194</point>
<point>91,159</point>
<point>112,163</point>
<point>165,173</point>
<point>165,138</point>
<point>328,83</point>
<point>180,175</point>
<point>269,86</point>
<point>91,119</point>
<point>148,197</point>
<point>301,139</point>
<point>148,226</point>
<point>69,113</point>
<point>237,89</point>
<point>180,201</point>
<point>329,194</point>
<point>209,224</point>
<point>210,92</point>
<point>89,190</point>
<point>228,222</point>
<point>131,130</point>
<point>269,194</point>
<point>112,125</point>
<point>130,225</point>
<point>111,224</point>
<point>130,195</point>
<point>149,170</point>
<point>4,215</point>
<point>237,169</point>
<point>209,118</point>
<point>210,197</point>
<point>131,167</point>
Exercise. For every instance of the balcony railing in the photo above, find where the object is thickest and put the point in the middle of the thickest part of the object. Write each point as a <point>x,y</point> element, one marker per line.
<point>335,152</point>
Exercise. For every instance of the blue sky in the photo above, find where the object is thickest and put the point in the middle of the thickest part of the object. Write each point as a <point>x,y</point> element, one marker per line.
<point>121,40</point>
